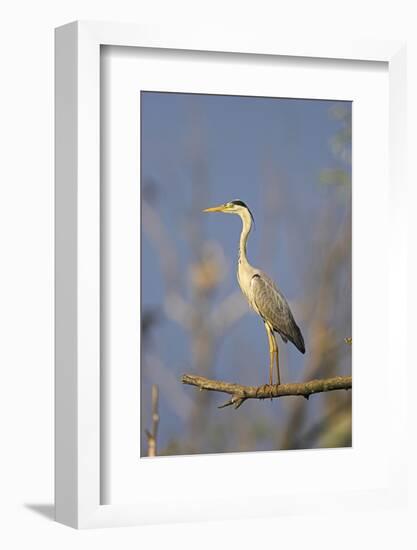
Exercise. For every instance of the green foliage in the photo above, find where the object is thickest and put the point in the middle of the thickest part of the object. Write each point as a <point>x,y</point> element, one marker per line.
<point>334,176</point>
<point>338,432</point>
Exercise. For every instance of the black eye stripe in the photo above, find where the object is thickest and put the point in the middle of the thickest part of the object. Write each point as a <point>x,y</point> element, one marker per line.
<point>239,203</point>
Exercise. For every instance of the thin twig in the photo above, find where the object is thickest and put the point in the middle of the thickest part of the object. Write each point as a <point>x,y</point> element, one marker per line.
<point>152,436</point>
<point>240,393</point>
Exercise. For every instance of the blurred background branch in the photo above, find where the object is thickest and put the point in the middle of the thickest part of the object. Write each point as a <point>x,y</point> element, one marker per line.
<point>153,434</point>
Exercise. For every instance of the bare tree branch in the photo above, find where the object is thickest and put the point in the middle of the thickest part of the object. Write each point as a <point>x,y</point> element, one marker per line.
<point>240,393</point>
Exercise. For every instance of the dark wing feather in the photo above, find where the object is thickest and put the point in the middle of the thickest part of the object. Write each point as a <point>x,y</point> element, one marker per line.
<point>273,308</point>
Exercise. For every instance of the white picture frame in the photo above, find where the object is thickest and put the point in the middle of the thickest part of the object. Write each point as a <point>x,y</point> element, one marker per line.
<point>78,449</point>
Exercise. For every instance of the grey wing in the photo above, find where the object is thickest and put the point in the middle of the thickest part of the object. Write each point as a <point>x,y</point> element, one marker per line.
<point>273,308</point>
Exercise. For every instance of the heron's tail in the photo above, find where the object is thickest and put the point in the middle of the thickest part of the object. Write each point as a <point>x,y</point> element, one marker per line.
<point>298,339</point>
<point>294,335</point>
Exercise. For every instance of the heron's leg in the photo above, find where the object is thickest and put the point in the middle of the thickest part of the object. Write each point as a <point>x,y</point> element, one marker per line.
<point>276,351</point>
<point>271,351</point>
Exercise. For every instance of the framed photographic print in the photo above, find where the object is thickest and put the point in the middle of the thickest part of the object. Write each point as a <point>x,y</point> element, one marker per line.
<point>212,366</point>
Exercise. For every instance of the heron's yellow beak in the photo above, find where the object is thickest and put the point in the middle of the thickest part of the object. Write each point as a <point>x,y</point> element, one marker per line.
<point>219,208</point>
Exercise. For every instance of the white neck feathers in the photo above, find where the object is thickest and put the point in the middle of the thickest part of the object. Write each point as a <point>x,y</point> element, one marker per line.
<point>246,227</point>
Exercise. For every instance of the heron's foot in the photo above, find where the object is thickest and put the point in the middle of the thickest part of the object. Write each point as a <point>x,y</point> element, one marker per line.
<point>266,389</point>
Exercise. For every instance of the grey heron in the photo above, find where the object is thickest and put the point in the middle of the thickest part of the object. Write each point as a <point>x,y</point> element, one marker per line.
<point>263,295</point>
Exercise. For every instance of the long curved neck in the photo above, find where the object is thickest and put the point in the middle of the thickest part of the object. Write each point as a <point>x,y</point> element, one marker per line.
<point>246,227</point>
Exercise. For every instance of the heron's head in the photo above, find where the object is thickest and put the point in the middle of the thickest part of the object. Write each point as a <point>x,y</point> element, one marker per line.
<point>233,207</point>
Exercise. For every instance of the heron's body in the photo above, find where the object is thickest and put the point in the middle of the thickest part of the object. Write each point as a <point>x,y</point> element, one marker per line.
<point>261,292</point>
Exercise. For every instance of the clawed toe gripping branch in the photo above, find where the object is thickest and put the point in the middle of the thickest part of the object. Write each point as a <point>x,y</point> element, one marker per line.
<point>240,393</point>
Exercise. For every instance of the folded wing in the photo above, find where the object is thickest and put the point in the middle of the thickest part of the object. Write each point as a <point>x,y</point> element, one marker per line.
<point>274,309</point>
